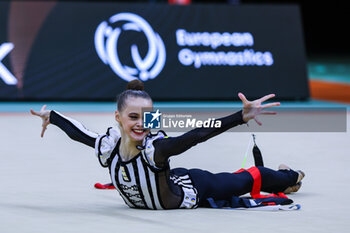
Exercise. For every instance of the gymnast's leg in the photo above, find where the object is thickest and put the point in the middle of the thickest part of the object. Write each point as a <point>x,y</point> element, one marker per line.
<point>222,186</point>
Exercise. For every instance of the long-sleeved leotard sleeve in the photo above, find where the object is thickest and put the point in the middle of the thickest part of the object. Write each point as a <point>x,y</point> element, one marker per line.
<point>74,129</point>
<point>166,147</point>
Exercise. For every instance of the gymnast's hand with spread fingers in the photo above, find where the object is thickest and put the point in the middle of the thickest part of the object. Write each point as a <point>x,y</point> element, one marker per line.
<point>44,115</point>
<point>251,109</point>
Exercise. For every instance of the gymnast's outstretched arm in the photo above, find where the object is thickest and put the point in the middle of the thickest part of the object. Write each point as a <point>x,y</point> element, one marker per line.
<point>170,146</point>
<point>74,129</point>
<point>166,147</point>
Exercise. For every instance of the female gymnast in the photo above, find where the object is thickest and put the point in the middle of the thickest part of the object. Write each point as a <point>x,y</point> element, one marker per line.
<point>138,160</point>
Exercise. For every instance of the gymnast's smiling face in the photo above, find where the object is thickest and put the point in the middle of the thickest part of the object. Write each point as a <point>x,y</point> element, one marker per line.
<point>130,118</point>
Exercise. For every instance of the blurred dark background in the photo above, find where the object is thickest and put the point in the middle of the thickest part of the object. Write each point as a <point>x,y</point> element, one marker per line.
<point>326,39</point>
<point>325,23</point>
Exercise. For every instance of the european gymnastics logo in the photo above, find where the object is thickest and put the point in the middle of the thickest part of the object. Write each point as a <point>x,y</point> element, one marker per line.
<point>106,40</point>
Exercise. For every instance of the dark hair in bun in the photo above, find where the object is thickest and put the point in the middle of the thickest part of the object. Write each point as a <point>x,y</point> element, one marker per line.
<point>134,88</point>
<point>136,85</point>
